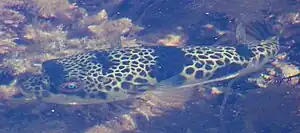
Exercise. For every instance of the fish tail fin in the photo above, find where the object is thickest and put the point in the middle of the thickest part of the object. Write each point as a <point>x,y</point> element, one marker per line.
<point>257,31</point>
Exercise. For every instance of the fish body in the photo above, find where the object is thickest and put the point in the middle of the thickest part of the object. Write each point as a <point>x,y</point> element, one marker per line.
<point>120,73</point>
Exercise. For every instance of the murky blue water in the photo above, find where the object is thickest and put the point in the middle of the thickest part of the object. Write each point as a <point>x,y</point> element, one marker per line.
<point>274,110</point>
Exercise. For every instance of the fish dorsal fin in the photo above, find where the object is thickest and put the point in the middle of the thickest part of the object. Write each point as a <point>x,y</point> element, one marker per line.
<point>242,37</point>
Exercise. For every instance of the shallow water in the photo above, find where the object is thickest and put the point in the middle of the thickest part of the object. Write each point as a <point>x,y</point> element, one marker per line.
<point>198,22</point>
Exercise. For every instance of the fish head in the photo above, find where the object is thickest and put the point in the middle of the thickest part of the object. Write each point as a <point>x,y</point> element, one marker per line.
<point>72,80</point>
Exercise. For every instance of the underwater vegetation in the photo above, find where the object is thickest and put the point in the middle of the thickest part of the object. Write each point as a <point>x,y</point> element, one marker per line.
<point>34,31</point>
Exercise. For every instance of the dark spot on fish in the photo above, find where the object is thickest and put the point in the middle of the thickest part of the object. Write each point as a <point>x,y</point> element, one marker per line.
<point>116,89</point>
<point>227,61</point>
<point>135,62</point>
<point>209,62</point>
<point>118,79</point>
<point>109,71</point>
<point>199,74</point>
<point>148,57</point>
<point>199,64</point>
<point>202,57</point>
<point>125,62</point>
<point>124,58</point>
<point>133,57</point>
<point>198,52</point>
<point>129,77</point>
<point>205,48</point>
<point>148,68</point>
<point>219,55</point>
<point>91,85</point>
<point>121,67</point>
<point>119,74</point>
<point>115,60</point>
<point>190,70</point>
<point>208,67</point>
<point>209,52</point>
<point>213,57</point>
<point>126,85</point>
<point>37,88</point>
<point>126,70</point>
<point>261,49</point>
<point>141,60</point>
<point>190,51</point>
<point>143,73</point>
<point>127,54</point>
<point>236,58</point>
<point>108,87</point>
<point>142,65</point>
<point>140,80</point>
<point>117,55</point>
<point>139,69</point>
<point>94,67</point>
<point>90,79</point>
<point>95,74</point>
<point>33,83</point>
<point>241,59</point>
<point>146,61</point>
<point>87,82</point>
<point>220,63</point>
<point>37,93</point>
<point>228,55</point>
<point>188,56</point>
<point>194,57</point>
<point>99,86</point>
<point>107,80</point>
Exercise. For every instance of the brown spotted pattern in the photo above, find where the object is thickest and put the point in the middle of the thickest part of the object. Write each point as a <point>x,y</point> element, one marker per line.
<point>118,73</point>
<point>206,60</point>
<point>266,49</point>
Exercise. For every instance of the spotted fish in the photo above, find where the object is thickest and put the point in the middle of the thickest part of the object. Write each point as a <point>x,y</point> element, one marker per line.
<point>121,73</point>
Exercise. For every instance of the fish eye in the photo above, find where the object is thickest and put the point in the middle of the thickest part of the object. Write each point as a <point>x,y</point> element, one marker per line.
<point>70,87</point>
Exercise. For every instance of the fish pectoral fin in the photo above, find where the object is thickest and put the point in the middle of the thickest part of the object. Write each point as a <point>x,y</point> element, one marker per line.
<point>167,97</point>
<point>179,81</point>
<point>140,88</point>
<point>240,34</point>
<point>171,82</point>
